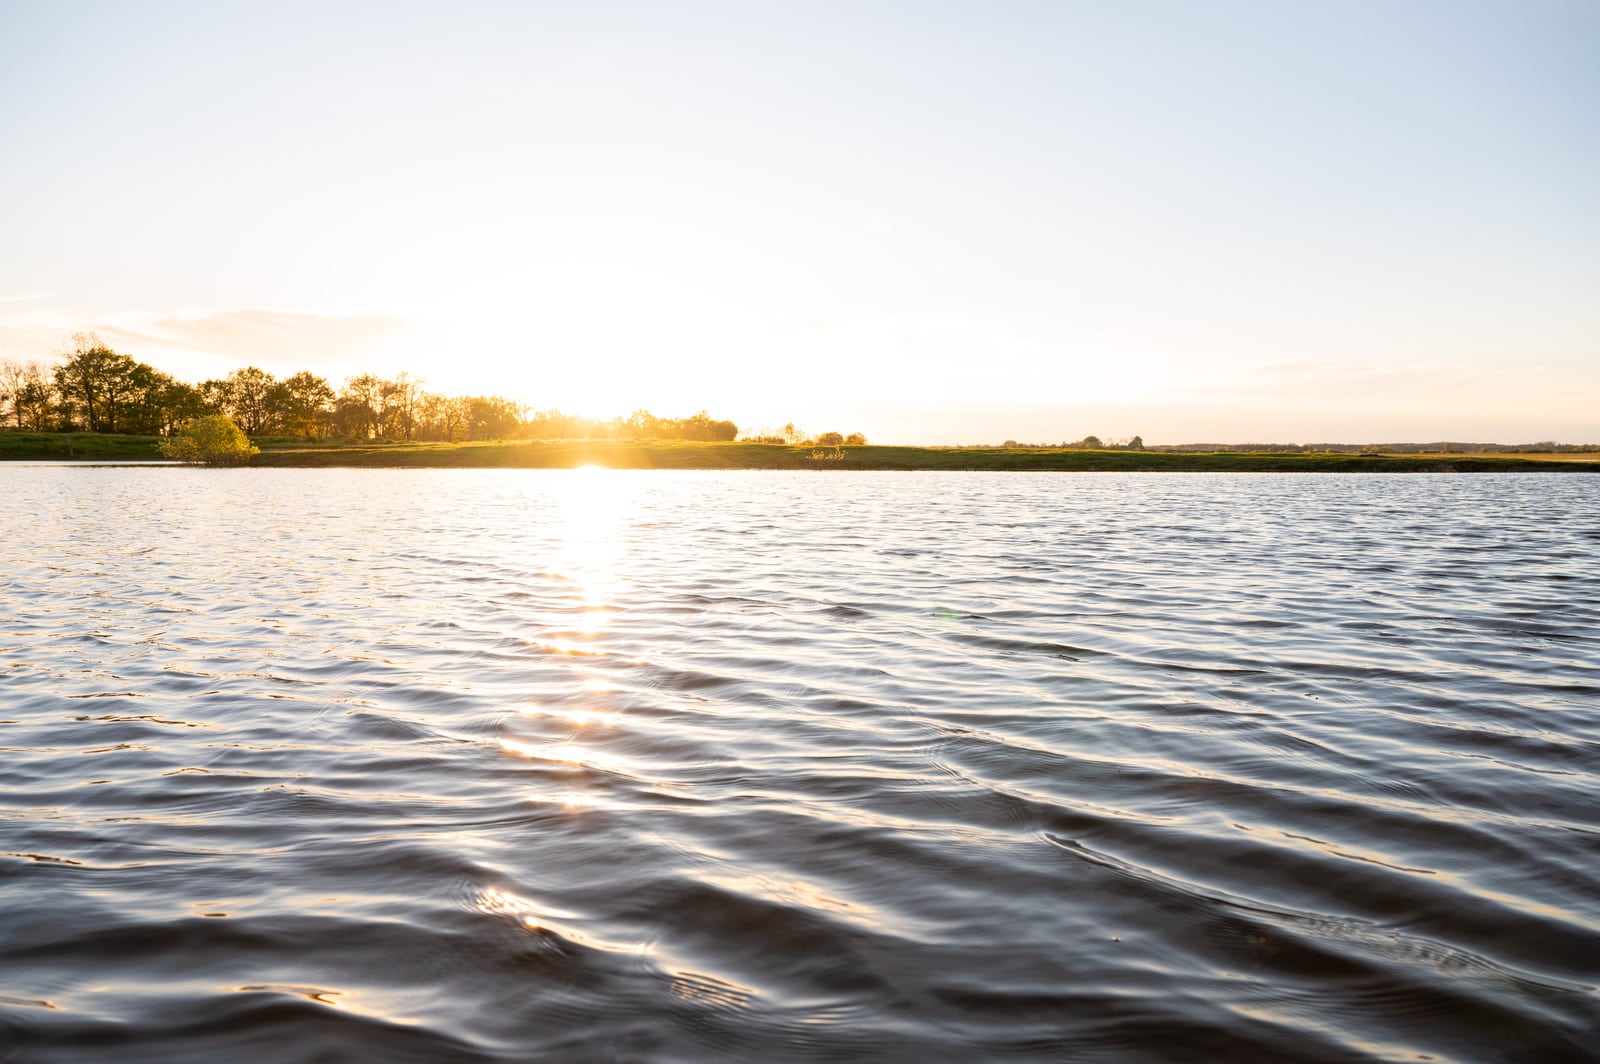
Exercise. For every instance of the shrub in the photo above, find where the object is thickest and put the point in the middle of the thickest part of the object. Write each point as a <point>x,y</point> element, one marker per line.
<point>212,441</point>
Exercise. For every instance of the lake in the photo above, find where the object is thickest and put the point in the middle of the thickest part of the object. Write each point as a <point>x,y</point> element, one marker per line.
<point>591,765</point>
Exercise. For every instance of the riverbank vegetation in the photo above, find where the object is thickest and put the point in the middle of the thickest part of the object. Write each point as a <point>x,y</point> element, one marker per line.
<point>94,389</point>
<point>688,454</point>
<point>213,441</point>
<point>617,454</point>
<point>1438,447</point>
<point>102,405</point>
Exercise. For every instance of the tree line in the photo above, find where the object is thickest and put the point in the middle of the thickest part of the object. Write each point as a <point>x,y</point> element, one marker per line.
<point>96,389</point>
<point>1088,443</point>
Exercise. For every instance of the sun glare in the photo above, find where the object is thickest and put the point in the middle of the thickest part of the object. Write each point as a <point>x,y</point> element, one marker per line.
<point>594,505</point>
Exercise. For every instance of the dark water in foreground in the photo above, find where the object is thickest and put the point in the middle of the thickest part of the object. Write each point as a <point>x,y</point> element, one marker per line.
<point>434,766</point>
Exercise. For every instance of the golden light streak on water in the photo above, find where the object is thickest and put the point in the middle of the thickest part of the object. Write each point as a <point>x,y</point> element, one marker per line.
<point>567,753</point>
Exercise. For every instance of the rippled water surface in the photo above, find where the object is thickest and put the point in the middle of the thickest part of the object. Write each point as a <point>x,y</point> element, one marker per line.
<point>511,765</point>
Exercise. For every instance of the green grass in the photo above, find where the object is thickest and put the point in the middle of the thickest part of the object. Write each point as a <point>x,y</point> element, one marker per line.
<point>672,454</point>
<point>76,446</point>
<point>681,455</point>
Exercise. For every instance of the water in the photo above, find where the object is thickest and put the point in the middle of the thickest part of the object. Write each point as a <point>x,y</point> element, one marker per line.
<point>510,765</point>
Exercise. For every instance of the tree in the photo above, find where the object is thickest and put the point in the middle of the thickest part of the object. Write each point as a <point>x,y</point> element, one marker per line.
<point>36,398</point>
<point>98,378</point>
<point>359,406</point>
<point>830,439</point>
<point>399,400</point>
<point>28,389</point>
<point>214,441</point>
<point>447,417</point>
<point>856,439</point>
<point>641,425</point>
<point>489,417</point>
<point>213,396</point>
<point>12,376</point>
<point>179,403</point>
<point>306,399</point>
<point>251,396</point>
<point>147,394</point>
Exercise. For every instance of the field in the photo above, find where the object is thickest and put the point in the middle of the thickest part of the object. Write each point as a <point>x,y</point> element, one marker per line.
<point>681,455</point>
<point>670,454</point>
<point>77,446</point>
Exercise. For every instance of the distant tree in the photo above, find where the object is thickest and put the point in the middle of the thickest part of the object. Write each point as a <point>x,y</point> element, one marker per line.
<point>36,400</point>
<point>489,417</point>
<point>12,375</point>
<point>399,402</point>
<point>702,426</point>
<point>141,413</point>
<point>430,410</point>
<point>104,391</point>
<point>96,380</point>
<point>250,396</point>
<point>146,411</point>
<point>1136,444</point>
<point>453,417</point>
<point>213,395</point>
<point>180,402</point>
<point>27,388</point>
<point>830,439</point>
<point>213,440</point>
<point>306,401</point>
<point>358,406</point>
<point>856,439</point>
<point>641,425</point>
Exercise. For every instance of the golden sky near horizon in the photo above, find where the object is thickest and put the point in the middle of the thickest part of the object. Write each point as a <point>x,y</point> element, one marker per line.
<point>932,223</point>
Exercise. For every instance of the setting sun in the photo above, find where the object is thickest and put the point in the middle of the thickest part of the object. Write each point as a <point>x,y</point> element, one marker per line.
<point>948,229</point>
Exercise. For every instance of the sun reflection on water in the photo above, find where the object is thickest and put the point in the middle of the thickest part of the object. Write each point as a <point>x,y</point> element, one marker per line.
<point>574,648</point>
<point>566,753</point>
<point>580,716</point>
<point>497,901</point>
<point>592,510</point>
<point>593,507</point>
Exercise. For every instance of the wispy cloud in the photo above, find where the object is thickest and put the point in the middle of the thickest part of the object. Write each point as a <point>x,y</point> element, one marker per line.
<point>259,335</point>
<point>197,344</point>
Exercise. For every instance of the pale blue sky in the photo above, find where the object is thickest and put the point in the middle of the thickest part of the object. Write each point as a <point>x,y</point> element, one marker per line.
<point>930,222</point>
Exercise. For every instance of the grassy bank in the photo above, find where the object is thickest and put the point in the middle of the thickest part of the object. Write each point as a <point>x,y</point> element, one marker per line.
<point>681,455</point>
<point>672,454</point>
<point>76,446</point>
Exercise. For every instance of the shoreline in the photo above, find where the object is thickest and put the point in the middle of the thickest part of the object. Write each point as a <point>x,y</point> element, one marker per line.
<point>674,454</point>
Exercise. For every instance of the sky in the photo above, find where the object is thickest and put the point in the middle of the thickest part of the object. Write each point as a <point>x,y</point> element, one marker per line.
<point>929,222</point>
